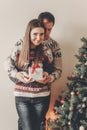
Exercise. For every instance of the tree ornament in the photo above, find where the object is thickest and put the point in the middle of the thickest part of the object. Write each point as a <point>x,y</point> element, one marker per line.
<point>81,128</point>
<point>55,110</point>
<point>81,55</point>
<point>77,92</point>
<point>84,99</point>
<point>71,108</point>
<point>81,76</point>
<point>86,63</point>
<point>69,123</point>
<point>62,106</point>
<point>72,93</point>
<point>62,101</point>
<point>59,115</point>
<point>83,105</point>
<point>73,75</point>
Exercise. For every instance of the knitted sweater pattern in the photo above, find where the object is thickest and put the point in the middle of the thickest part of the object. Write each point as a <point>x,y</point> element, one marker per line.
<point>52,53</point>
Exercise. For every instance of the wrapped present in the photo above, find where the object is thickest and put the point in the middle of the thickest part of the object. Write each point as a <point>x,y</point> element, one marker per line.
<point>36,72</point>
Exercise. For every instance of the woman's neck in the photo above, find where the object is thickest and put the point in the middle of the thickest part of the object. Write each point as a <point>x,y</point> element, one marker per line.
<point>33,46</point>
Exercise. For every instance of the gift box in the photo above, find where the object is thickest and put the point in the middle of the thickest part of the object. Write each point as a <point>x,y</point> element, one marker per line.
<point>36,72</point>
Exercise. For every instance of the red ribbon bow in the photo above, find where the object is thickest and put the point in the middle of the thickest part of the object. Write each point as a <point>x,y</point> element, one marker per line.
<point>34,67</point>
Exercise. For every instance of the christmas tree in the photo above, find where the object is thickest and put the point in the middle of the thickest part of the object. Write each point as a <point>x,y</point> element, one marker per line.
<point>71,107</point>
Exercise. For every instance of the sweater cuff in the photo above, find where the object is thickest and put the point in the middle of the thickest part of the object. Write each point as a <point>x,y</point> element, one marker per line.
<point>52,78</point>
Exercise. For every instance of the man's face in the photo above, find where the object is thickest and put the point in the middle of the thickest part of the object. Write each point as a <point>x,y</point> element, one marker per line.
<point>48,25</point>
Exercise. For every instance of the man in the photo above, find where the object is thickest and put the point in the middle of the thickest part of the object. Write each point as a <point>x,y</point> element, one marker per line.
<point>49,20</point>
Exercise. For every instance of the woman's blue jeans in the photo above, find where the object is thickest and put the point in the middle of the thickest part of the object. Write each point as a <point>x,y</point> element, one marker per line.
<point>31,112</point>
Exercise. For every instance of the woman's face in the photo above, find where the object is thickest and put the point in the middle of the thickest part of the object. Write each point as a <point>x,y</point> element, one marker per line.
<point>36,36</point>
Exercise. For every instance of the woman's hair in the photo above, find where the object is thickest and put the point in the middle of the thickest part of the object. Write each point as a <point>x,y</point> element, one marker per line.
<point>24,55</point>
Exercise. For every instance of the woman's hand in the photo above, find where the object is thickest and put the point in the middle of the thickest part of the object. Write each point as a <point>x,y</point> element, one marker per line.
<point>23,77</point>
<point>46,78</point>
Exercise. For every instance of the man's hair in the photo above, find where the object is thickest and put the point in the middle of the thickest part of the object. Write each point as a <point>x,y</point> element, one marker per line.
<point>46,15</point>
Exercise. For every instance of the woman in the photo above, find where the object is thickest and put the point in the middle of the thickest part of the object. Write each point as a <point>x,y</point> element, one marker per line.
<point>32,96</point>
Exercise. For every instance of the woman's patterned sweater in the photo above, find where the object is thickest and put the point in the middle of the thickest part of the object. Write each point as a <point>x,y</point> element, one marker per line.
<point>51,64</point>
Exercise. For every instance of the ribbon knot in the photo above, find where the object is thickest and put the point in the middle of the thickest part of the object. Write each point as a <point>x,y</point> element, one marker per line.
<point>34,67</point>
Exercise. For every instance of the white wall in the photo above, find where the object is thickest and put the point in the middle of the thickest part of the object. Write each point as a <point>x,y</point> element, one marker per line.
<point>71,25</point>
